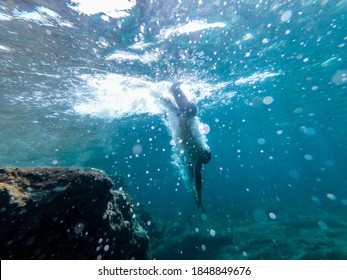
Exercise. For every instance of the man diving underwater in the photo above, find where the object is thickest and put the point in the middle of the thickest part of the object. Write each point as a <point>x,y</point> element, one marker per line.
<point>193,150</point>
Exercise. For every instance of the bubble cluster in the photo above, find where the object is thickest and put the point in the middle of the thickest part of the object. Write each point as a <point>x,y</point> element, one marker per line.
<point>340,77</point>
<point>309,131</point>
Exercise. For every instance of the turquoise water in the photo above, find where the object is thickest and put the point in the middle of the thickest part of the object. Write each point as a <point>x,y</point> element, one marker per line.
<point>79,85</point>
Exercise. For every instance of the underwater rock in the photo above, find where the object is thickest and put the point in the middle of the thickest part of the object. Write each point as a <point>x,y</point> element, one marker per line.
<point>154,228</point>
<point>187,245</point>
<point>62,213</point>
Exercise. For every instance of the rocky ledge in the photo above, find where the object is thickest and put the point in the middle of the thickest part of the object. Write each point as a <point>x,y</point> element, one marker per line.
<point>62,213</point>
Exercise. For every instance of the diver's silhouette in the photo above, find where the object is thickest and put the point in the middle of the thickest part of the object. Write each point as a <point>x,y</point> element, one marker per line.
<point>196,154</point>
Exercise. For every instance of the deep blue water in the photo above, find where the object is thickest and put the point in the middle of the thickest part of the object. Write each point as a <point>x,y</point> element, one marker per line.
<point>268,77</point>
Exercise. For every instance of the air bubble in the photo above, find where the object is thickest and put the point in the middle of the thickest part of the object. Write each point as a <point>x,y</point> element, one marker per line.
<point>204,128</point>
<point>315,199</point>
<point>268,100</point>
<point>331,196</point>
<point>329,163</point>
<point>261,141</point>
<point>272,216</point>
<point>308,157</point>
<point>78,228</point>
<point>286,15</point>
<point>323,226</point>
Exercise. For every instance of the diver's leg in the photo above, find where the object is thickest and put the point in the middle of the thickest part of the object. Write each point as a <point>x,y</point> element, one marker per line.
<point>187,109</point>
<point>198,183</point>
<point>180,98</point>
<point>191,179</point>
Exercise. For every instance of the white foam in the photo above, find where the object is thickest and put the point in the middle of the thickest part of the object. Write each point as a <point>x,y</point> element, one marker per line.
<point>42,16</point>
<point>113,9</point>
<point>140,46</point>
<point>256,77</point>
<point>3,48</point>
<point>115,96</point>
<point>145,58</point>
<point>192,26</point>
<point>5,17</point>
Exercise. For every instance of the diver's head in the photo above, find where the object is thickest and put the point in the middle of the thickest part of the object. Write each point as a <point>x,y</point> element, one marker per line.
<point>206,156</point>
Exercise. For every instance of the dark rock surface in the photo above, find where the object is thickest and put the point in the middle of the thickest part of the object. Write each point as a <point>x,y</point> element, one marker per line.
<point>62,213</point>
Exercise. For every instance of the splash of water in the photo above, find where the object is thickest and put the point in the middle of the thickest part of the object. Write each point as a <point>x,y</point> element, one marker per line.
<point>115,96</point>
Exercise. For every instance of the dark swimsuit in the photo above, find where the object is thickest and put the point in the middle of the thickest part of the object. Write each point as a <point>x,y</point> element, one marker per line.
<point>188,111</point>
